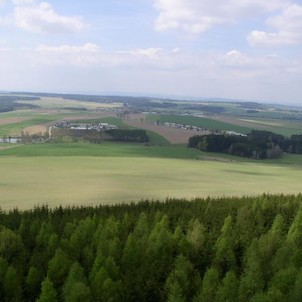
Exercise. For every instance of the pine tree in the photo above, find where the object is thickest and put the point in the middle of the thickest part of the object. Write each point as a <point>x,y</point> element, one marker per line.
<point>75,287</point>
<point>210,283</point>
<point>180,284</point>
<point>225,258</point>
<point>296,293</point>
<point>294,235</point>
<point>228,290</point>
<point>252,281</point>
<point>197,235</point>
<point>3,269</point>
<point>48,292</point>
<point>12,286</point>
<point>58,268</point>
<point>33,282</point>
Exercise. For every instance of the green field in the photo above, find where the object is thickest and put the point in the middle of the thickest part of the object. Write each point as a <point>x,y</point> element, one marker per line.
<point>280,126</point>
<point>86,174</point>
<point>33,118</point>
<point>197,121</point>
<point>101,150</point>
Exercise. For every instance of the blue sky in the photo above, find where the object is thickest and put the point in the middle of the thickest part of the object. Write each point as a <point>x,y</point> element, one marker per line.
<point>239,49</point>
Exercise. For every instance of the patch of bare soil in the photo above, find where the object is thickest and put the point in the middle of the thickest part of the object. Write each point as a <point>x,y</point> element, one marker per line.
<point>12,120</point>
<point>89,117</point>
<point>173,135</point>
<point>36,129</point>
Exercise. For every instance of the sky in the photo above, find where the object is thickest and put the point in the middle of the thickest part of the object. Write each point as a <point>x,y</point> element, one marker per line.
<point>237,49</point>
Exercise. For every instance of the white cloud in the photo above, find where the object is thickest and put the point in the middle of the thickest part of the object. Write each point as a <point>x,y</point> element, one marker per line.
<point>68,49</point>
<point>86,54</point>
<point>3,46</point>
<point>234,74</point>
<point>41,18</point>
<point>22,2</point>
<point>143,52</point>
<point>91,55</point>
<point>287,29</point>
<point>196,16</point>
<point>190,16</point>
<point>240,65</point>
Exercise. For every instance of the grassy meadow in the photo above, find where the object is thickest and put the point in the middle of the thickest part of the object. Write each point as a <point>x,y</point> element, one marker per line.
<point>87,174</point>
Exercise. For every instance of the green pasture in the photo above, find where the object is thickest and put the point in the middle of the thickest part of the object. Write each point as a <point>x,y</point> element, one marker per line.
<point>90,180</point>
<point>101,150</point>
<point>280,126</point>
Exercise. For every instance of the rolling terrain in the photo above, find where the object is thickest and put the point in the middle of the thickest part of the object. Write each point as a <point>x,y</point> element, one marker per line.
<point>61,171</point>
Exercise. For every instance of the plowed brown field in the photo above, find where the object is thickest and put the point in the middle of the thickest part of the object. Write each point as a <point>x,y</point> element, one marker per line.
<point>173,135</point>
<point>13,120</point>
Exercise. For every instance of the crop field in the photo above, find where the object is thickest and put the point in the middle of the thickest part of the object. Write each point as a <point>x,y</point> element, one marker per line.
<point>280,126</point>
<point>198,121</point>
<point>238,124</point>
<point>70,173</point>
<point>13,123</point>
<point>171,135</point>
<point>53,102</point>
<point>86,174</point>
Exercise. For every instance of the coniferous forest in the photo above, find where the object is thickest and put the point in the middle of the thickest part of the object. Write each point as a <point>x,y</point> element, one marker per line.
<point>224,249</point>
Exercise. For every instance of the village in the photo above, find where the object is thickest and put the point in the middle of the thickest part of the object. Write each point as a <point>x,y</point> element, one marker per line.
<point>84,126</point>
<point>202,131</point>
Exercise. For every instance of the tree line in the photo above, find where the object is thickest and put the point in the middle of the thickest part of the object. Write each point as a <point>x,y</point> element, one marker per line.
<point>10,102</point>
<point>258,144</point>
<point>221,249</point>
<point>97,136</point>
<point>126,135</point>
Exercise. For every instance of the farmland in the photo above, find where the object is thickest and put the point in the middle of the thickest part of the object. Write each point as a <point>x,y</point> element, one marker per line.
<point>80,173</point>
<point>60,103</point>
<point>86,174</point>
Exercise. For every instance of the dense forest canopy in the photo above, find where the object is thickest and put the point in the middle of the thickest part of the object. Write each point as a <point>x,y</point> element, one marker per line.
<point>225,249</point>
<point>258,144</point>
<point>125,135</point>
<point>10,102</point>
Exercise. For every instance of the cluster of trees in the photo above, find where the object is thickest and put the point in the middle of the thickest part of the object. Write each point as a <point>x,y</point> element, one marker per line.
<point>27,138</point>
<point>225,249</point>
<point>9,102</point>
<point>126,135</point>
<point>130,100</point>
<point>257,144</point>
<point>96,136</point>
<point>205,108</point>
